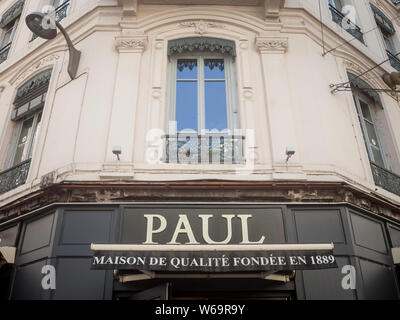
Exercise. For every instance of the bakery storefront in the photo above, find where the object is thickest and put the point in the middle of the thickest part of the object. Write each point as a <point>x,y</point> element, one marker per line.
<point>184,251</point>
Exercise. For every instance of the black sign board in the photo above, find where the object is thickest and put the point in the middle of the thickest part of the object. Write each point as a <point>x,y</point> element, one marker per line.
<point>207,226</point>
<point>211,261</point>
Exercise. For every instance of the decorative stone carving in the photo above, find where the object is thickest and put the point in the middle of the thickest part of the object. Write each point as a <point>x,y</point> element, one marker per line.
<point>131,44</point>
<point>272,45</point>
<point>202,44</point>
<point>201,27</point>
<point>49,60</point>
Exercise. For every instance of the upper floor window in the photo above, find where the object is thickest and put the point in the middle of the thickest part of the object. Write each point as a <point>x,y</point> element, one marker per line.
<point>27,117</point>
<point>8,26</point>
<point>377,135</point>
<point>202,102</point>
<point>388,33</point>
<point>344,15</point>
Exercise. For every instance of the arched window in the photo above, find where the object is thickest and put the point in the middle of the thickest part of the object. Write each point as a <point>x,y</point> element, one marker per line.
<point>202,100</point>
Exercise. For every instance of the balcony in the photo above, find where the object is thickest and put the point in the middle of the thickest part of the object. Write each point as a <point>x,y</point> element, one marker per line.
<point>386,179</point>
<point>394,61</point>
<point>59,14</point>
<point>340,19</point>
<point>4,52</point>
<point>191,148</point>
<point>14,177</point>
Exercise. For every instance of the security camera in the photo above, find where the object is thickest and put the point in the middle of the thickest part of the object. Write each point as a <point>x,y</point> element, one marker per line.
<point>117,151</point>
<point>290,152</point>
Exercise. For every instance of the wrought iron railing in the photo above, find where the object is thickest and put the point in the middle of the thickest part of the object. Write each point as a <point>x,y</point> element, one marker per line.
<point>341,20</point>
<point>191,148</point>
<point>14,177</point>
<point>396,2</point>
<point>4,52</point>
<point>60,13</point>
<point>394,60</point>
<point>386,179</point>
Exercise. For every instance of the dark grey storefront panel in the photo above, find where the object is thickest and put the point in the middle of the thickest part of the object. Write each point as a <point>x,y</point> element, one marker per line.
<point>76,280</point>
<point>394,236</point>
<point>368,234</point>
<point>378,280</point>
<point>327,284</point>
<point>28,281</point>
<point>268,222</point>
<point>319,226</point>
<point>85,227</point>
<point>37,234</point>
<point>9,236</point>
<point>370,240</point>
<point>78,228</point>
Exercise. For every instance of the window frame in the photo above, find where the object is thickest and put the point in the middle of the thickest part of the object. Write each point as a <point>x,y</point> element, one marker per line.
<point>13,31</point>
<point>232,108</point>
<point>360,96</point>
<point>32,136</point>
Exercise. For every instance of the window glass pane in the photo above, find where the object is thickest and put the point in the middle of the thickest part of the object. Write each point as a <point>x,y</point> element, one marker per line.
<point>186,94</point>
<point>215,94</point>
<point>378,157</point>
<point>216,113</point>
<point>187,69</point>
<point>371,135</point>
<point>214,69</point>
<point>23,142</point>
<point>365,111</point>
<point>186,105</point>
<point>35,133</point>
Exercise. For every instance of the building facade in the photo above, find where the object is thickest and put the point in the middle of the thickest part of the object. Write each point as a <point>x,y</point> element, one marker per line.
<point>263,122</point>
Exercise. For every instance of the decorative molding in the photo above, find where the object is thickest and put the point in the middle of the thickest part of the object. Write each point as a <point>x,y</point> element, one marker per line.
<point>272,45</point>
<point>374,79</point>
<point>272,8</point>
<point>202,44</point>
<point>201,27</point>
<point>131,44</point>
<point>46,61</point>
<point>129,8</point>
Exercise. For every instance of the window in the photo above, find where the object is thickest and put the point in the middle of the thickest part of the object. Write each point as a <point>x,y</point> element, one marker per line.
<point>26,133</point>
<point>202,102</point>
<point>377,135</point>
<point>387,31</point>
<point>366,114</point>
<point>346,20</point>
<point>8,24</point>
<point>27,117</point>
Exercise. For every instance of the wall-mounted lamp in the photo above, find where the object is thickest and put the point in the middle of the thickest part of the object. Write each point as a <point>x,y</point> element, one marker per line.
<point>290,152</point>
<point>117,151</point>
<point>42,26</point>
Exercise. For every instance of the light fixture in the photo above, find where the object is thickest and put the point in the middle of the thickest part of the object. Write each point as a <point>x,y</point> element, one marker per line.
<point>290,152</point>
<point>117,151</point>
<point>392,80</point>
<point>41,25</point>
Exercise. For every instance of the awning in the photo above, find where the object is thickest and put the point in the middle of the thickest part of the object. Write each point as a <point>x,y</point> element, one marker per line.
<point>396,255</point>
<point>8,254</point>
<point>213,258</point>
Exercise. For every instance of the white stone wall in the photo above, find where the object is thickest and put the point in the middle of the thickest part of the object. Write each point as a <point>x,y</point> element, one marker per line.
<point>120,91</point>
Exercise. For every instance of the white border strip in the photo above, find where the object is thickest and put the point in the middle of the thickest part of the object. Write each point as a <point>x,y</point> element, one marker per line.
<point>273,247</point>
